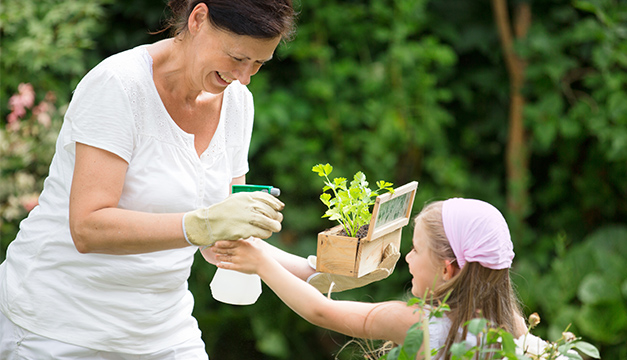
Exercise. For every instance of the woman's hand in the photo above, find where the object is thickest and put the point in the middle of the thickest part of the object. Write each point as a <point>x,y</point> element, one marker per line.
<point>246,256</point>
<point>239,216</point>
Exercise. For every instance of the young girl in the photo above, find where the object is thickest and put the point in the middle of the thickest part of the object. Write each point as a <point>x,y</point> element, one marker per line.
<point>460,246</point>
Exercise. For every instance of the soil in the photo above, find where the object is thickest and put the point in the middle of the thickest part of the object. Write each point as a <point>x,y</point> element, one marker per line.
<point>361,233</point>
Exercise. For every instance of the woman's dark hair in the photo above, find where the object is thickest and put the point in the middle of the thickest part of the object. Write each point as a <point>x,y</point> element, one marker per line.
<point>263,19</point>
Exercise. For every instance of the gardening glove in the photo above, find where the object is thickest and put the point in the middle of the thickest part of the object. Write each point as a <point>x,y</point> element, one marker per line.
<point>239,216</point>
<point>323,281</point>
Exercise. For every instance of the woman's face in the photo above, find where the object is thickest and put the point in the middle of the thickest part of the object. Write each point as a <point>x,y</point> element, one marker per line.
<point>219,57</point>
<point>426,273</point>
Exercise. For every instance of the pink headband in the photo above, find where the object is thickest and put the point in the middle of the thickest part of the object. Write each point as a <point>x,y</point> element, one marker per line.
<point>477,232</point>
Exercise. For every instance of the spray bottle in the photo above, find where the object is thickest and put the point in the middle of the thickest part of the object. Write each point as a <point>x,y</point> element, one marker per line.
<point>233,287</point>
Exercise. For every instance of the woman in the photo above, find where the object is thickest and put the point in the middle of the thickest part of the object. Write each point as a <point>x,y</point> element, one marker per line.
<point>460,246</point>
<point>152,140</point>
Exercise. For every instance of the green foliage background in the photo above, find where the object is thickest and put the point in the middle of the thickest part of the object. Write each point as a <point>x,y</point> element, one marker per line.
<point>402,90</point>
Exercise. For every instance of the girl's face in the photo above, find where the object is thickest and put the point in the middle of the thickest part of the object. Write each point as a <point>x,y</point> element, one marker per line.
<point>426,272</point>
<point>219,57</point>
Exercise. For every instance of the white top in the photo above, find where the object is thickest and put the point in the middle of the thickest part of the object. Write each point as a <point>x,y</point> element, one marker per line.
<point>125,303</point>
<point>527,344</point>
<point>438,332</point>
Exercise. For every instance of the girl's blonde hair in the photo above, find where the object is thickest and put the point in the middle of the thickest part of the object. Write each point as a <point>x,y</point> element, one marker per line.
<point>476,291</point>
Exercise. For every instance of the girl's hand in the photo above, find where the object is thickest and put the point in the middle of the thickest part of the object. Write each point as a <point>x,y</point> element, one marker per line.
<point>240,255</point>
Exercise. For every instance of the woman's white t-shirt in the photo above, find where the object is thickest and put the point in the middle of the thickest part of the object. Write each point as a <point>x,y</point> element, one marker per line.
<point>125,303</point>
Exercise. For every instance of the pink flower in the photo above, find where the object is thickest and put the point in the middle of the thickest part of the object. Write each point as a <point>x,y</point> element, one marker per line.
<point>41,108</point>
<point>44,119</point>
<point>13,117</point>
<point>29,201</point>
<point>28,94</point>
<point>17,107</point>
<point>41,112</point>
<point>13,126</point>
<point>18,103</point>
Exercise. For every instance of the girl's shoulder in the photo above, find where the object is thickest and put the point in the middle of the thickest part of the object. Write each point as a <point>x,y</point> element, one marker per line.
<point>391,320</point>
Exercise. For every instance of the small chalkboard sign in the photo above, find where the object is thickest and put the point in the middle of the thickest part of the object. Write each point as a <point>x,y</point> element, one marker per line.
<point>392,211</point>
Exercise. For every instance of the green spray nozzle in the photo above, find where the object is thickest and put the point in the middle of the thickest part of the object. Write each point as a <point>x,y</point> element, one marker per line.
<point>250,188</point>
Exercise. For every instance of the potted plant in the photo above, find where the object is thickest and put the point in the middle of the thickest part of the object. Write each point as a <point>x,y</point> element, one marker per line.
<point>370,222</point>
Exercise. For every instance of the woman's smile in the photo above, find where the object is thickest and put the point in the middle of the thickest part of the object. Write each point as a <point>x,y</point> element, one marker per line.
<point>224,78</point>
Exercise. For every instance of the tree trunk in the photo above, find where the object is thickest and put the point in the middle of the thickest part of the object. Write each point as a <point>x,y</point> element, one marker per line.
<point>516,157</point>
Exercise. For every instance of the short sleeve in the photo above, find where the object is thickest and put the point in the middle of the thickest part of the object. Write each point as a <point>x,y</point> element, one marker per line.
<point>100,115</point>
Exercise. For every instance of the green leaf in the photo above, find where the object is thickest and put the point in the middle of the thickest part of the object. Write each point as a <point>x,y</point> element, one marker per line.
<point>603,322</point>
<point>320,170</point>
<point>350,206</point>
<point>340,182</point>
<point>385,185</point>
<point>597,289</point>
<point>325,197</point>
<point>507,340</point>
<point>587,349</point>
<point>414,301</point>
<point>355,193</point>
<point>572,355</point>
<point>413,340</point>
<point>393,354</point>
<point>476,326</point>
<point>563,349</point>
<point>360,178</point>
<point>459,349</point>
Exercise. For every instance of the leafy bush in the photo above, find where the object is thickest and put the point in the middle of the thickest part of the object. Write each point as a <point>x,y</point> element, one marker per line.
<point>577,115</point>
<point>586,286</point>
<point>45,43</point>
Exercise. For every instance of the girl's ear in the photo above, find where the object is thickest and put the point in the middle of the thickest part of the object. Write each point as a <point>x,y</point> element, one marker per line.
<point>449,270</point>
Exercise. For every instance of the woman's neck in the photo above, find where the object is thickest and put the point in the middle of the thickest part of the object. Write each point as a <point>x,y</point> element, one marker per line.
<point>170,70</point>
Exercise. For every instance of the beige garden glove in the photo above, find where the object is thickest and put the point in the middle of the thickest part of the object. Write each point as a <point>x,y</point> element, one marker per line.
<point>239,216</point>
<point>323,281</point>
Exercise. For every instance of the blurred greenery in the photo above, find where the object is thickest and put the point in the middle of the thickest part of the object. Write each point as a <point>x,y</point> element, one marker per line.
<point>402,90</point>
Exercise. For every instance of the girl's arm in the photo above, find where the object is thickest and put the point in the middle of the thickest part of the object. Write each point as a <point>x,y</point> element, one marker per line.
<point>387,321</point>
<point>297,265</point>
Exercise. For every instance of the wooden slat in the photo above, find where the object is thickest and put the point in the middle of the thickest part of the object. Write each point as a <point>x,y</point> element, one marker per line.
<point>336,254</point>
<point>398,213</point>
<point>370,254</point>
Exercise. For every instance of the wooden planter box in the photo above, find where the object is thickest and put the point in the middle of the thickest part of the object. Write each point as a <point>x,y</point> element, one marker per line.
<point>351,256</point>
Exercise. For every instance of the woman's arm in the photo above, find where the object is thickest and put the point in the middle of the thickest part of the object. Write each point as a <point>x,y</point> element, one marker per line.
<point>98,225</point>
<point>388,320</point>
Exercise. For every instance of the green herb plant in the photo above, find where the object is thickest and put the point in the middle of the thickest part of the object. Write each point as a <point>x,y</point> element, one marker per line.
<point>350,203</point>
